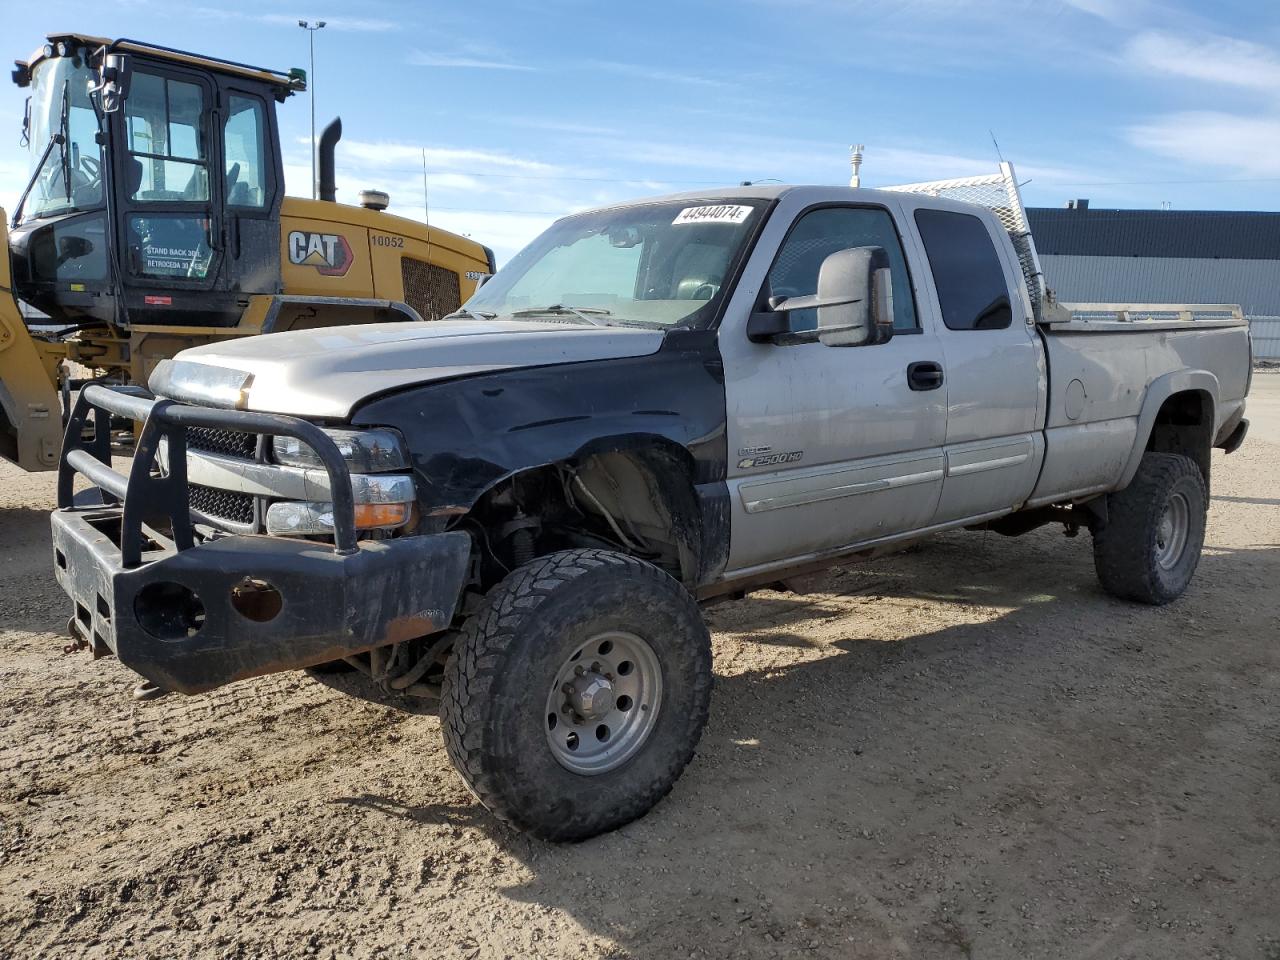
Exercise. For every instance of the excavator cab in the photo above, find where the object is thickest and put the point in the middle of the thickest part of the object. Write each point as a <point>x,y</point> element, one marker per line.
<point>155,187</point>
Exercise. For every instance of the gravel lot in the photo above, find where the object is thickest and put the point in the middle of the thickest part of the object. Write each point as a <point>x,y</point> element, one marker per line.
<point>966,750</point>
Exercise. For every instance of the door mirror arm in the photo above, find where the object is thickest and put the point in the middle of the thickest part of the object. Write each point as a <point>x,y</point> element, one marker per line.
<point>766,326</point>
<point>774,324</point>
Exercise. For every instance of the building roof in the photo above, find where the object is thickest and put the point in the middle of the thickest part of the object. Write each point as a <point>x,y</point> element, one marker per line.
<point>1197,234</point>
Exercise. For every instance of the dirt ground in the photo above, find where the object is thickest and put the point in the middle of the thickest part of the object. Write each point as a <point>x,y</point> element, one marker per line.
<point>966,750</point>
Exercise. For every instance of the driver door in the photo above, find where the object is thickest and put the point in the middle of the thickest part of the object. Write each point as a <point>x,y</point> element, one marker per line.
<point>830,446</point>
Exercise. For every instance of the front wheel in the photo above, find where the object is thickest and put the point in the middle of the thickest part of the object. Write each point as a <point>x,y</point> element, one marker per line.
<point>577,693</point>
<point>1149,547</point>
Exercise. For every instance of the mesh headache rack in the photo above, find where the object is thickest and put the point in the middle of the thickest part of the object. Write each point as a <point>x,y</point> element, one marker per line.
<point>999,193</point>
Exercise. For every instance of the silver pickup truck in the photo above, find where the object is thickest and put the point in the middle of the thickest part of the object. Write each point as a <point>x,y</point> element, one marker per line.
<point>516,510</point>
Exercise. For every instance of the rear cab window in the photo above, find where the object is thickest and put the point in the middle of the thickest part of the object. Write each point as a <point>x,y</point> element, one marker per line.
<point>967,271</point>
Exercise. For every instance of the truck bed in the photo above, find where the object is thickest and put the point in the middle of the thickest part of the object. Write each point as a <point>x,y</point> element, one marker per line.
<point>1109,377</point>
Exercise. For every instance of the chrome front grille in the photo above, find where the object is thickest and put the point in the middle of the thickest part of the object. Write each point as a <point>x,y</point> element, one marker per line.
<point>231,443</point>
<point>227,505</point>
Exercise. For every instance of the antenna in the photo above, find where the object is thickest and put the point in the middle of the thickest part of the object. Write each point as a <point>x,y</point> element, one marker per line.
<point>996,144</point>
<point>426,192</point>
<point>855,161</point>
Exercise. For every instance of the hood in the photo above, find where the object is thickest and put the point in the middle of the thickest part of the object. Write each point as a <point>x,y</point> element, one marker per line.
<point>327,372</point>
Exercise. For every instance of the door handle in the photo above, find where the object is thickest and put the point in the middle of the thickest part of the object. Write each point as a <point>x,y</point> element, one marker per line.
<point>924,375</point>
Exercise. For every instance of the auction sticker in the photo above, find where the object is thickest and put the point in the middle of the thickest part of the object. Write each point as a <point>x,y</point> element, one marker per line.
<point>713,213</point>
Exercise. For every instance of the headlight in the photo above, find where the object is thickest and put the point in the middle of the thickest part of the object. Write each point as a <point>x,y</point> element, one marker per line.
<point>294,518</point>
<point>366,451</point>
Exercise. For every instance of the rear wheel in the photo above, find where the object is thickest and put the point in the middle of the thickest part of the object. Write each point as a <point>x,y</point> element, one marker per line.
<point>577,693</point>
<point>1150,545</point>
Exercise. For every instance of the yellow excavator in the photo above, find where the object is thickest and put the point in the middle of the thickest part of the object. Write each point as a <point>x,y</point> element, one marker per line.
<point>154,219</point>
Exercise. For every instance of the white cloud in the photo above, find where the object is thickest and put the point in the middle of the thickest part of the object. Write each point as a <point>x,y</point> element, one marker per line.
<point>383,154</point>
<point>1246,139</point>
<point>641,72</point>
<point>420,58</point>
<point>345,24</point>
<point>1213,59</point>
<point>1110,10</point>
<point>555,126</point>
<point>341,24</point>
<point>1248,144</point>
<point>1130,13</point>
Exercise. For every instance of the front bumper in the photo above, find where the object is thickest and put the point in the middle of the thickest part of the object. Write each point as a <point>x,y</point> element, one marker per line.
<point>184,619</point>
<point>190,616</point>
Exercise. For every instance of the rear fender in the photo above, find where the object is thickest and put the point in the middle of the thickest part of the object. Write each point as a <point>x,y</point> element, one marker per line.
<point>1160,390</point>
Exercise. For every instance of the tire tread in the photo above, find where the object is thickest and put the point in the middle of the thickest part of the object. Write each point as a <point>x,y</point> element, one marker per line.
<point>472,672</point>
<point>1121,556</point>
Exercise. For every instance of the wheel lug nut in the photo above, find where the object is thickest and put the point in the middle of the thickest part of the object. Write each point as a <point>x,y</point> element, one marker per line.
<point>578,671</point>
<point>567,688</point>
<point>595,667</point>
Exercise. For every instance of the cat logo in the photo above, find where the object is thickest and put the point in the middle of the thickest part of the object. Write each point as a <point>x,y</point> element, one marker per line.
<point>329,253</point>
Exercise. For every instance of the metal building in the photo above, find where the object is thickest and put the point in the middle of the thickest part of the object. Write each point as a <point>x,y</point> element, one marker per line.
<point>1153,256</point>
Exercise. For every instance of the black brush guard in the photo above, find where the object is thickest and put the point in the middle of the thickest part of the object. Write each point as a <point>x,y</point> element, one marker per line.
<point>190,615</point>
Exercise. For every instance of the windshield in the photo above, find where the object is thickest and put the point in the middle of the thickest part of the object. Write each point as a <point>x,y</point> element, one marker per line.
<point>655,264</point>
<point>68,176</point>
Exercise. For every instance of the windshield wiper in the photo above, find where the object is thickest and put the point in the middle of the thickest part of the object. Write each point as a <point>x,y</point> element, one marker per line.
<point>469,314</point>
<point>587,314</point>
<point>66,136</point>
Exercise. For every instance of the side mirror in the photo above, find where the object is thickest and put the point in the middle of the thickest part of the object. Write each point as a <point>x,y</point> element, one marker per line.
<point>113,81</point>
<point>857,288</point>
<point>854,303</point>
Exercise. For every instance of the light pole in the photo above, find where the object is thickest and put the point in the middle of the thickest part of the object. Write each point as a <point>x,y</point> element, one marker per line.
<point>311,88</point>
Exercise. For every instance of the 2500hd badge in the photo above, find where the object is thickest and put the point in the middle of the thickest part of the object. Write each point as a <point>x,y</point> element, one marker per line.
<point>769,460</point>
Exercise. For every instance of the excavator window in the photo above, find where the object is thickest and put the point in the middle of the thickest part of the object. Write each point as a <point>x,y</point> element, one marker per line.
<point>163,117</point>
<point>244,139</point>
<point>70,175</point>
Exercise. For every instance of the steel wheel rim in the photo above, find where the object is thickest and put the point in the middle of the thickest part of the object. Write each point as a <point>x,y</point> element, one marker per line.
<point>603,703</point>
<point>1173,531</point>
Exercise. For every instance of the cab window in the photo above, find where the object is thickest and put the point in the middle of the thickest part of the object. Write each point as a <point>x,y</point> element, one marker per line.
<point>167,146</point>
<point>243,135</point>
<point>825,231</point>
<point>966,270</point>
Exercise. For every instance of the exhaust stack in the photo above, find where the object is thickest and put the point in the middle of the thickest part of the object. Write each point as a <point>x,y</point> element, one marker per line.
<point>327,186</point>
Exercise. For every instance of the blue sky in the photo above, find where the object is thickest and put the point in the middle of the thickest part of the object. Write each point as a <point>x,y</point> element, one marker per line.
<point>528,110</point>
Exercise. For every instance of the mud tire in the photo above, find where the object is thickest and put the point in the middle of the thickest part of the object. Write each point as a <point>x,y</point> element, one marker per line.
<point>494,705</point>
